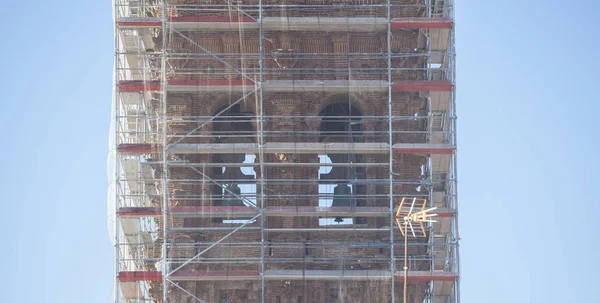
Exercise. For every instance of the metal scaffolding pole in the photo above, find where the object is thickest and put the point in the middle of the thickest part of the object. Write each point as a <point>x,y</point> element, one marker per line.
<point>391,153</point>
<point>115,176</point>
<point>165,142</point>
<point>454,166</point>
<point>261,156</point>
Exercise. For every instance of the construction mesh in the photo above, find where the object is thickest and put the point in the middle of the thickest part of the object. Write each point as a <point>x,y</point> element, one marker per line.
<point>259,150</point>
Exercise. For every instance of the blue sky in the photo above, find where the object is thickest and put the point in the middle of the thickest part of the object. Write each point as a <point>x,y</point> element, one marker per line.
<point>527,100</point>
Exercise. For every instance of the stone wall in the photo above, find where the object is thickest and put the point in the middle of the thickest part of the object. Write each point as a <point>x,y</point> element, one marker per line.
<point>302,110</point>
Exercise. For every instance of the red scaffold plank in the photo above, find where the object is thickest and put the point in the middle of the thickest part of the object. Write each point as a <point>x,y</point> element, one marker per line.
<point>138,85</point>
<point>426,151</point>
<point>139,148</point>
<point>444,214</point>
<point>139,211</point>
<point>211,19</point>
<point>427,276</point>
<point>139,23</point>
<point>421,22</point>
<point>134,276</point>
<point>421,86</point>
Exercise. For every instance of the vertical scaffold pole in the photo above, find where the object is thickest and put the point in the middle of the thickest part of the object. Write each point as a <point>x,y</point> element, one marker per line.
<point>454,172</point>
<point>391,152</point>
<point>428,169</point>
<point>116,152</point>
<point>165,169</point>
<point>261,152</point>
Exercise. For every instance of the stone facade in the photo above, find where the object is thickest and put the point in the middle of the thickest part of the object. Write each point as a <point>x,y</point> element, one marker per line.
<point>303,123</point>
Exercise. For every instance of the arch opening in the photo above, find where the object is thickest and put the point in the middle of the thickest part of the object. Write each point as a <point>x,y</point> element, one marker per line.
<point>237,182</point>
<point>341,185</point>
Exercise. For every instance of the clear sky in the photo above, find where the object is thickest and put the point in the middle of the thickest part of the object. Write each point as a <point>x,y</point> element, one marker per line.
<point>528,153</point>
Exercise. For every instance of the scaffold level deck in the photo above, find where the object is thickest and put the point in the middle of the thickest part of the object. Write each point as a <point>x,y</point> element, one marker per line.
<point>243,275</point>
<point>191,86</point>
<point>293,147</point>
<point>316,23</point>
<point>273,211</point>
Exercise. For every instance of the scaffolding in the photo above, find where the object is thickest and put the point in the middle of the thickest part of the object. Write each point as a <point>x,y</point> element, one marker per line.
<point>260,149</point>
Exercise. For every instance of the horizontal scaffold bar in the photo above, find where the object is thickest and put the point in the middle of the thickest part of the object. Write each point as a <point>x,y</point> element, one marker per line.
<point>268,164</point>
<point>320,23</point>
<point>272,211</point>
<point>422,86</point>
<point>291,147</point>
<point>194,86</point>
<point>243,275</point>
<point>421,22</point>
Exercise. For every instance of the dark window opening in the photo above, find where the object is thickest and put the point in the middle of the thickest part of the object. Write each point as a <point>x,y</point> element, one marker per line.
<point>237,183</point>
<point>233,124</point>
<point>341,186</point>
<point>340,123</point>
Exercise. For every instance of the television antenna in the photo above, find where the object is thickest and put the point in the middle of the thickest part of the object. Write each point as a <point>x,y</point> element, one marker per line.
<point>405,219</point>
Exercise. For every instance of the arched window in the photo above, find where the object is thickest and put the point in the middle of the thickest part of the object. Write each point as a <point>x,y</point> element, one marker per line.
<point>340,185</point>
<point>237,183</point>
<point>233,124</point>
<point>340,123</point>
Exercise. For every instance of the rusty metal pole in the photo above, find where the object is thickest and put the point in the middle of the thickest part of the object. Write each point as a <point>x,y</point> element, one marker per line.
<point>405,260</point>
